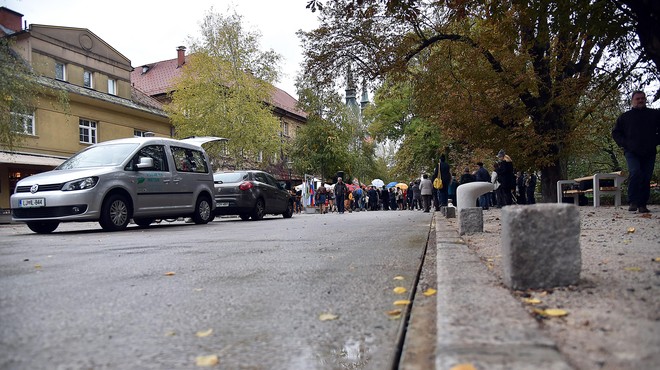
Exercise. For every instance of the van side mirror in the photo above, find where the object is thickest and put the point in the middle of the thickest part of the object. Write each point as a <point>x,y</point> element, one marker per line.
<point>145,162</point>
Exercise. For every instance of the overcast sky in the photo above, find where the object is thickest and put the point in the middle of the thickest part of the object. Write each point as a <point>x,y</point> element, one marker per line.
<point>147,31</point>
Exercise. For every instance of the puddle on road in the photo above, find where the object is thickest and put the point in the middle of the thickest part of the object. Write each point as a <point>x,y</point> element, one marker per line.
<point>352,354</point>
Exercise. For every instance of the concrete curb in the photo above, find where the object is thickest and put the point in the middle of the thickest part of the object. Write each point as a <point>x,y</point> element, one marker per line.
<point>478,321</point>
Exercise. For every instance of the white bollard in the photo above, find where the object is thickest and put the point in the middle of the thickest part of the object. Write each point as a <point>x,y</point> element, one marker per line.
<point>467,194</point>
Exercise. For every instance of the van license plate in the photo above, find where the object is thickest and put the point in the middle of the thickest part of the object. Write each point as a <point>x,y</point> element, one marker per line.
<point>32,203</point>
<point>223,204</point>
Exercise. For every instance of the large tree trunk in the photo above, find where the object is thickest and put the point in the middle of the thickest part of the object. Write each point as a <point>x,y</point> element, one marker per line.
<point>549,177</point>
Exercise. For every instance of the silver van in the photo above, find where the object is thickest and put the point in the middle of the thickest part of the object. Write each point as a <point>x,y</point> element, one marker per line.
<point>141,178</point>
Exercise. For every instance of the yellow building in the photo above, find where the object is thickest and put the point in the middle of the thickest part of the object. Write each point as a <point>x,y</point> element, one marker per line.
<point>103,104</point>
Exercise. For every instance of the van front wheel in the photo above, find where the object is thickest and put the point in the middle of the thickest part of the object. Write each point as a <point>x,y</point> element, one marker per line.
<point>115,213</point>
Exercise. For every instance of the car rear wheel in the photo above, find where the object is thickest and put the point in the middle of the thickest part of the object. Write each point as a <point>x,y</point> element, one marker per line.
<point>114,213</point>
<point>244,216</point>
<point>259,210</point>
<point>203,214</point>
<point>43,227</point>
<point>143,222</point>
<point>289,210</point>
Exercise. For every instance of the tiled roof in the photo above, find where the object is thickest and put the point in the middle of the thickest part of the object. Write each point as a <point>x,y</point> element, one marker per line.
<point>159,77</point>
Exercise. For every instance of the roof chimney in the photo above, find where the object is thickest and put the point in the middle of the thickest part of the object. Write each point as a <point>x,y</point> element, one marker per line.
<point>10,20</point>
<point>180,56</point>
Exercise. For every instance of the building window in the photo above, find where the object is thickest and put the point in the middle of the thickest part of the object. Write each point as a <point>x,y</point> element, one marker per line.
<point>139,133</point>
<point>87,79</point>
<point>60,71</point>
<point>285,128</point>
<point>112,87</point>
<point>24,123</point>
<point>87,131</point>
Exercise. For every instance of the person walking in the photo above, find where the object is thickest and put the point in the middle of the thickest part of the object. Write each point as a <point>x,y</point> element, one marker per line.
<point>637,132</point>
<point>531,187</point>
<point>483,176</point>
<point>506,177</point>
<point>417,196</point>
<point>441,195</point>
<point>340,195</point>
<point>426,190</point>
<point>321,194</point>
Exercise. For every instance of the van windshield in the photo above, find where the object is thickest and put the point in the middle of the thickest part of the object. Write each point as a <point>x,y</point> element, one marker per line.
<point>100,156</point>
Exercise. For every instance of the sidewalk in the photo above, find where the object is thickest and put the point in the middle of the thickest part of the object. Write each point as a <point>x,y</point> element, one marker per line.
<point>613,319</point>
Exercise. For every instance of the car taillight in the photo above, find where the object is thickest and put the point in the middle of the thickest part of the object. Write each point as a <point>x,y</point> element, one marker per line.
<point>245,185</point>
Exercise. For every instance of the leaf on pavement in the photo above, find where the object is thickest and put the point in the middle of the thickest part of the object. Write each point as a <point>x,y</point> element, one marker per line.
<point>206,361</point>
<point>399,277</point>
<point>633,269</point>
<point>400,290</point>
<point>631,230</point>
<point>37,266</point>
<point>551,312</point>
<point>204,333</point>
<point>429,292</point>
<point>466,366</point>
<point>401,302</point>
<point>327,317</point>
<point>531,300</point>
<point>657,259</point>
<point>395,312</point>
<point>170,273</point>
<point>170,333</point>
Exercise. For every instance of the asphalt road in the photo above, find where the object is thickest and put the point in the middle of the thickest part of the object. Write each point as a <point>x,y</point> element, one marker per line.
<point>250,293</point>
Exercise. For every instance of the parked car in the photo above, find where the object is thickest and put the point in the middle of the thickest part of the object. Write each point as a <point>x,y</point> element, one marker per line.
<point>250,194</point>
<point>141,178</point>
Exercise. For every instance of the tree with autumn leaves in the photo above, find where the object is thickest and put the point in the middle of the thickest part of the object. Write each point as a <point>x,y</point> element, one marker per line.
<point>526,76</point>
<point>224,91</point>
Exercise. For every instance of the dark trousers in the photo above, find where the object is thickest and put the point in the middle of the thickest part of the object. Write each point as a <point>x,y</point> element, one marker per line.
<point>339,200</point>
<point>639,181</point>
<point>426,199</point>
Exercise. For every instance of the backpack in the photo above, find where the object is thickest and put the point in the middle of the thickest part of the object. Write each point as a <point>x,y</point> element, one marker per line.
<point>437,183</point>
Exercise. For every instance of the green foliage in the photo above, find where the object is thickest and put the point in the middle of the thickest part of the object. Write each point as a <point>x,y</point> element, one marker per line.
<point>19,92</point>
<point>334,138</point>
<point>224,88</point>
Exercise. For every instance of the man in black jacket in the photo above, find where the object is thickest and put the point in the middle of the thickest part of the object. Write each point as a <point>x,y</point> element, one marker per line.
<point>637,131</point>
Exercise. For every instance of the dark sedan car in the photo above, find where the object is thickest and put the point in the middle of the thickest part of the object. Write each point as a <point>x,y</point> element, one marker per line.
<point>250,194</point>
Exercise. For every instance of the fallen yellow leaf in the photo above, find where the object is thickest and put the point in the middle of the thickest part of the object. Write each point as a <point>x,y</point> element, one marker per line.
<point>429,292</point>
<point>463,367</point>
<point>399,277</point>
<point>206,361</point>
<point>171,273</point>
<point>401,302</point>
<point>400,290</point>
<point>327,317</point>
<point>37,266</point>
<point>657,259</point>
<point>394,312</point>
<point>633,269</point>
<point>551,312</point>
<point>631,230</point>
<point>531,300</point>
<point>204,333</point>
<point>170,333</point>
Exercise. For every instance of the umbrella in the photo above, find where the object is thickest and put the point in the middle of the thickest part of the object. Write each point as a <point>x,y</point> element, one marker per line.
<point>402,185</point>
<point>378,183</point>
<point>391,185</point>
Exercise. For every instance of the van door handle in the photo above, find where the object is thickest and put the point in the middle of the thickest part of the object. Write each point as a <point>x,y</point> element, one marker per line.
<point>166,181</point>
<point>177,179</point>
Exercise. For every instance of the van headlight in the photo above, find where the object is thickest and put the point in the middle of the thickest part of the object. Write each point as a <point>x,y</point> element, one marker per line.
<point>81,184</point>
